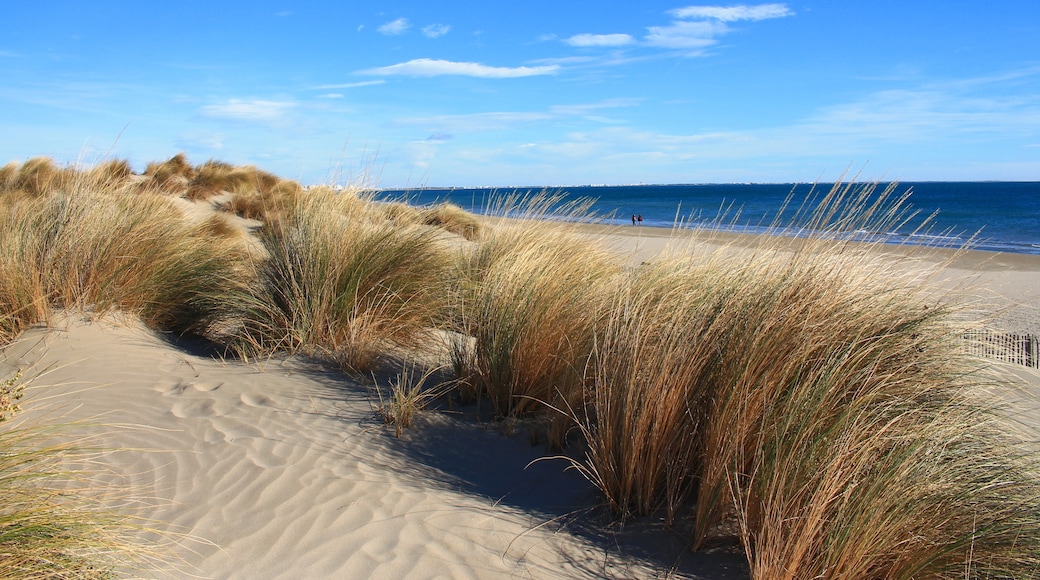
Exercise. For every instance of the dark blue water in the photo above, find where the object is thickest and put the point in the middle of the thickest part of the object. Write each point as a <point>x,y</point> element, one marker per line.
<point>1001,216</point>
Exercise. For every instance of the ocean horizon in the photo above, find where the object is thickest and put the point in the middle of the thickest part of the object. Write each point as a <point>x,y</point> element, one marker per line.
<point>995,216</point>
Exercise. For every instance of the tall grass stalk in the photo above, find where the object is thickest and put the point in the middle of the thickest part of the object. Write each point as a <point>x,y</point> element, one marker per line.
<point>340,278</point>
<point>408,395</point>
<point>99,246</point>
<point>815,396</point>
<point>531,294</point>
<point>57,518</point>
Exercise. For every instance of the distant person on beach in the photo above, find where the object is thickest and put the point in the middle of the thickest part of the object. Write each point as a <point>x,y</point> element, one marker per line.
<point>633,219</point>
<point>640,219</point>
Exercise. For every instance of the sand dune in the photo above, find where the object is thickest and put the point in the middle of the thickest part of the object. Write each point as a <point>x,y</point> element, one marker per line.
<point>282,470</point>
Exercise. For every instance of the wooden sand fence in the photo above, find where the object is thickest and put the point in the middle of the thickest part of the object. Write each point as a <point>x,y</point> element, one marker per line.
<point>1008,347</point>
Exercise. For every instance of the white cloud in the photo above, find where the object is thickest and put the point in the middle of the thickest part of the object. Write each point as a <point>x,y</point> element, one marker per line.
<point>395,27</point>
<point>600,40</point>
<point>686,35</point>
<point>435,30</point>
<point>692,29</point>
<point>426,67</point>
<point>204,140</point>
<point>255,110</point>
<point>496,121</point>
<point>472,123</point>
<point>733,13</point>
<point>348,85</point>
<point>588,108</point>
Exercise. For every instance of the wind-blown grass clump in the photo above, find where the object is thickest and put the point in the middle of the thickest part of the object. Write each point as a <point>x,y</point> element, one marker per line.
<point>172,175</point>
<point>213,178</point>
<point>815,401</point>
<point>54,519</point>
<point>407,396</point>
<point>531,295</point>
<point>452,218</point>
<point>340,279</point>
<point>92,245</point>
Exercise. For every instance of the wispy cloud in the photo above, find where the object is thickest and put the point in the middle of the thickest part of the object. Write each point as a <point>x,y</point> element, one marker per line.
<point>435,30</point>
<point>250,111</point>
<point>348,85</point>
<point>686,35</point>
<point>587,108</point>
<point>471,123</point>
<point>733,13</point>
<point>692,29</point>
<point>494,121</point>
<point>697,27</point>
<point>928,114</point>
<point>395,27</point>
<point>600,40</point>
<point>426,67</point>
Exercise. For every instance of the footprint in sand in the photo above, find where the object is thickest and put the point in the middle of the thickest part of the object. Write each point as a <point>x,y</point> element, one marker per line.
<point>206,386</point>
<point>172,388</point>
<point>177,388</point>
<point>256,400</point>
<point>193,408</point>
<point>233,430</point>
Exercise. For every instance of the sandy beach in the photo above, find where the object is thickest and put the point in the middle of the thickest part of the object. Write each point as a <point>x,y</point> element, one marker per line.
<point>282,469</point>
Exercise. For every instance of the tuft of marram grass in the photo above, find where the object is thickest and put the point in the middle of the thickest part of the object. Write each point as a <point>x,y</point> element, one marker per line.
<point>407,396</point>
<point>56,515</point>
<point>112,171</point>
<point>818,399</point>
<point>94,246</point>
<point>341,279</point>
<point>452,218</point>
<point>530,294</point>
<point>7,175</point>
<point>215,177</point>
<point>33,178</point>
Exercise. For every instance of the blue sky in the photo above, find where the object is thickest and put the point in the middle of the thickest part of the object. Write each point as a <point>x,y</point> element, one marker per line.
<point>468,93</point>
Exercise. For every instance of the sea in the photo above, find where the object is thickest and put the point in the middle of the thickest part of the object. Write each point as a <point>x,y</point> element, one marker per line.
<point>990,216</point>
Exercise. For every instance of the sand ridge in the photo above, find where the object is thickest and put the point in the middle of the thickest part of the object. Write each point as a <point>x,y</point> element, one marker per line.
<point>282,470</point>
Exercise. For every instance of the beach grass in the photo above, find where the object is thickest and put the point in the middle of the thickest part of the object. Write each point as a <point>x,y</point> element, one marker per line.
<point>408,395</point>
<point>806,398</point>
<point>452,218</point>
<point>529,295</point>
<point>816,399</point>
<point>98,245</point>
<point>56,516</point>
<point>342,280</point>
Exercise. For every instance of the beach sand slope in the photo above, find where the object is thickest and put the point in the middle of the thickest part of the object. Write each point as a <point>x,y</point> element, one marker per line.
<point>283,470</point>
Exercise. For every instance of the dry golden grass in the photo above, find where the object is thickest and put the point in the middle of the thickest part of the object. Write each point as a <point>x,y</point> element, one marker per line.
<point>7,175</point>
<point>817,398</point>
<point>407,396</point>
<point>113,171</point>
<point>452,218</point>
<point>170,176</point>
<point>806,394</point>
<point>401,213</point>
<point>34,178</point>
<point>56,519</point>
<point>342,280</point>
<point>531,294</point>
<point>89,246</point>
